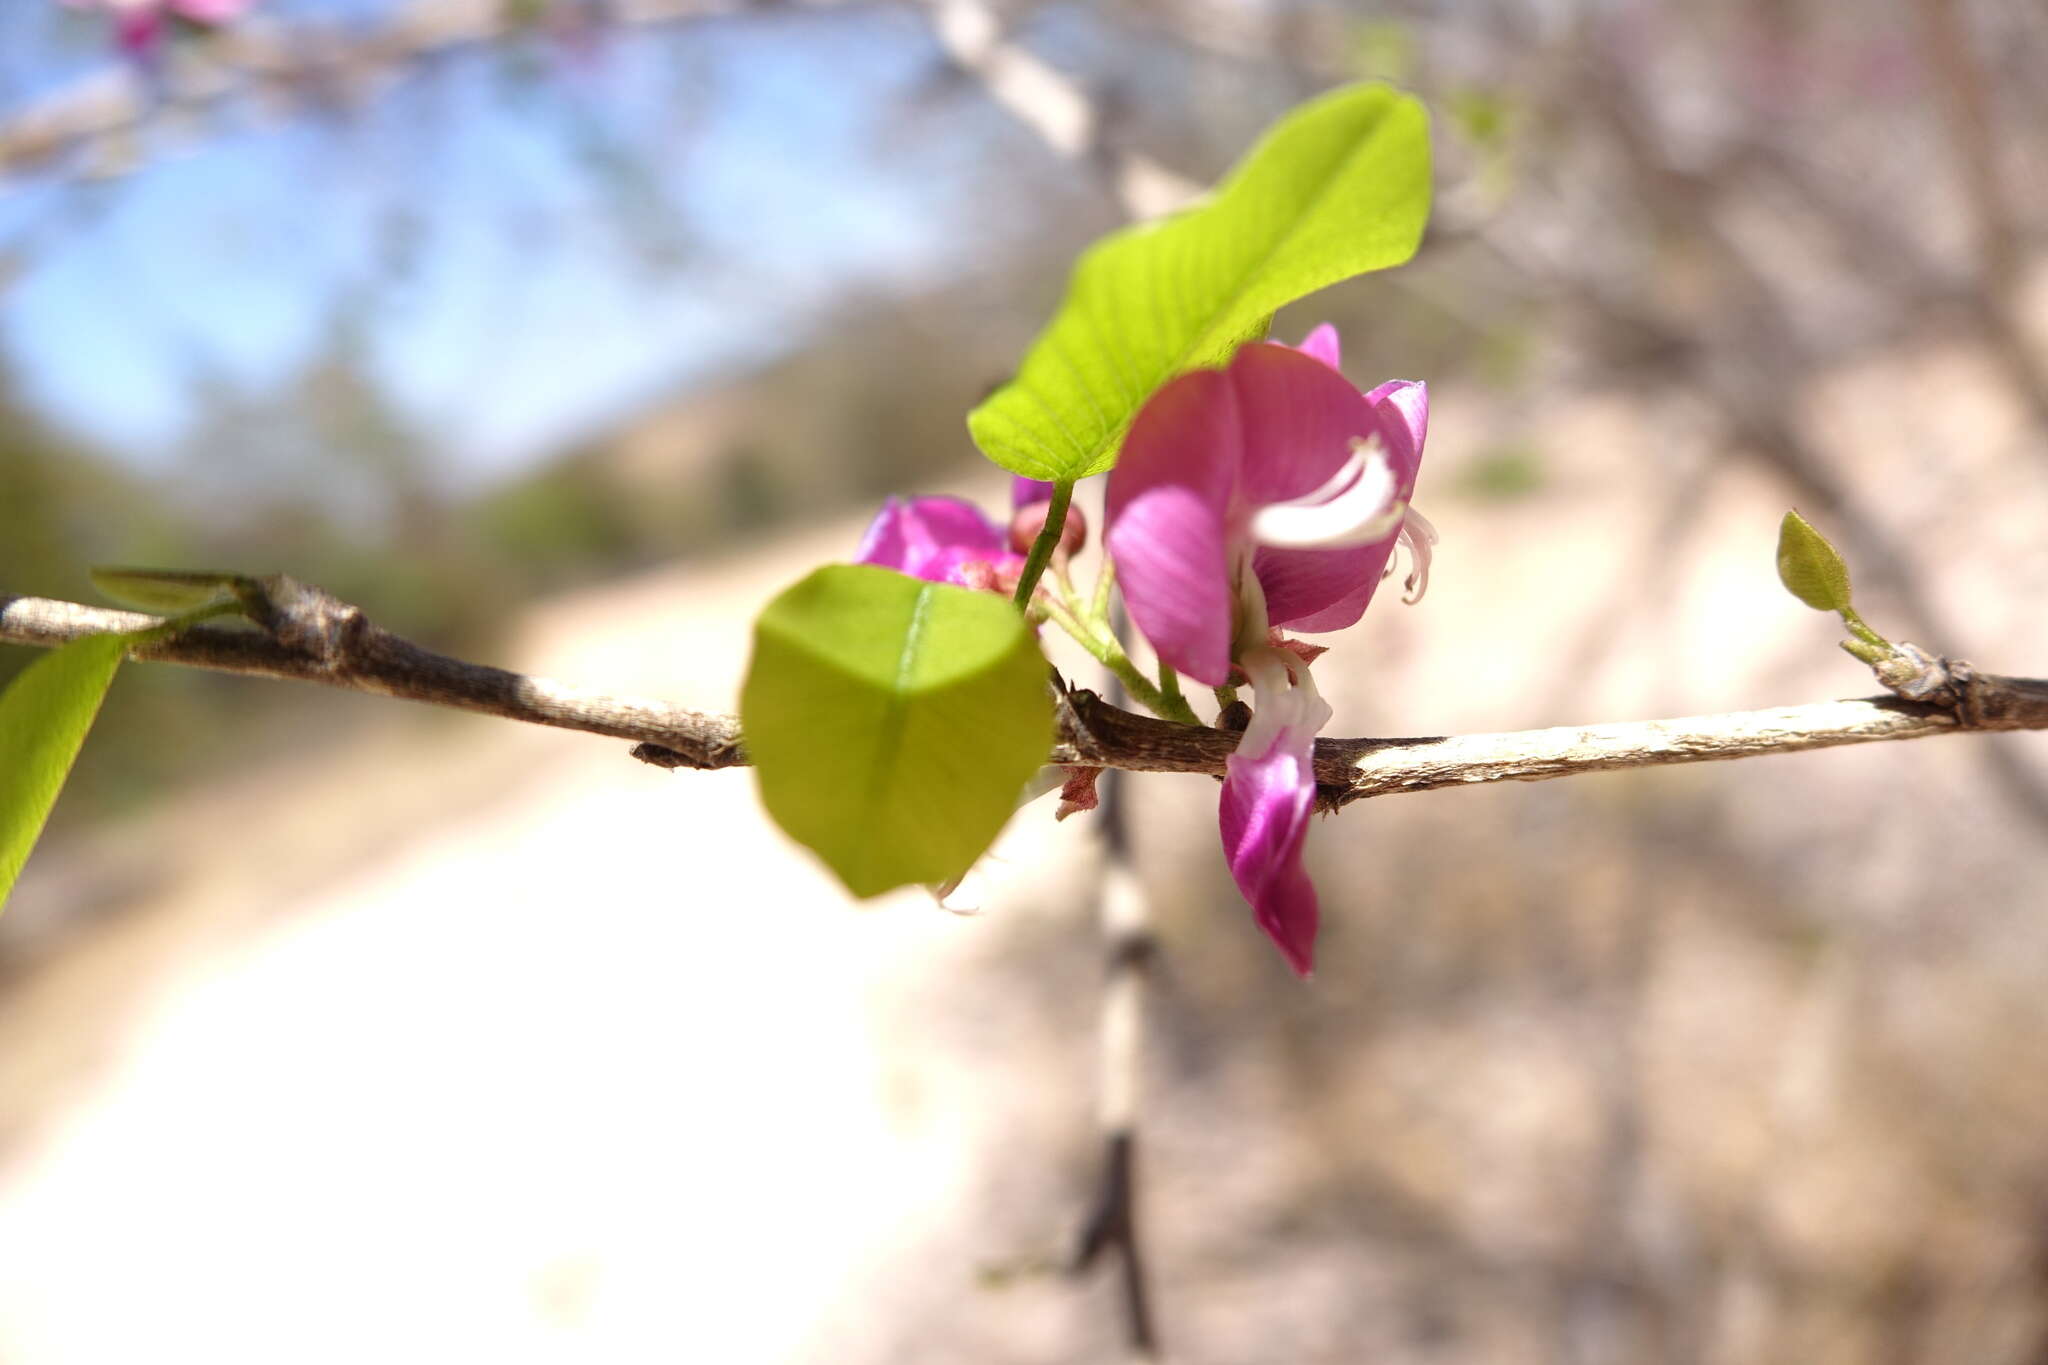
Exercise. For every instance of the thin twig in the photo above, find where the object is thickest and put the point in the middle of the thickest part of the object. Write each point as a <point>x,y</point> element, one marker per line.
<point>1111,1225</point>
<point>338,646</point>
<point>320,639</point>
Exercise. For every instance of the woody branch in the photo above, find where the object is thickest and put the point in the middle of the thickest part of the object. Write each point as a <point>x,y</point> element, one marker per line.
<point>314,637</point>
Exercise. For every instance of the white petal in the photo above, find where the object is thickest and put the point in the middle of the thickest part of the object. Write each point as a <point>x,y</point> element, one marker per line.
<point>1420,537</point>
<point>1284,697</point>
<point>1355,506</point>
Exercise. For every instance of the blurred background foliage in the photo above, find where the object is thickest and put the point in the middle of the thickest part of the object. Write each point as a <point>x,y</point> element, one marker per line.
<point>455,307</point>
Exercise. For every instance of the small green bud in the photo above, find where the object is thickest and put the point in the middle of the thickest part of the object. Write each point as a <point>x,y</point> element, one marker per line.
<point>1810,568</point>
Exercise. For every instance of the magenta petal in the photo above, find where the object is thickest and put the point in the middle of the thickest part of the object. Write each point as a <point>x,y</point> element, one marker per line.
<point>1402,406</point>
<point>887,540</point>
<point>1264,815</point>
<point>955,522</point>
<point>209,11</point>
<point>1322,344</point>
<point>1024,492</point>
<point>1298,580</point>
<point>1346,610</point>
<point>1169,547</point>
<point>138,32</point>
<point>1317,590</point>
<point>930,537</point>
<point>1300,420</point>
<point>1211,449</point>
<point>1298,417</point>
<point>1168,503</point>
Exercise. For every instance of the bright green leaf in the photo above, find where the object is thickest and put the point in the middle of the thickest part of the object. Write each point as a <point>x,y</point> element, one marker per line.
<point>1338,187</point>
<point>44,714</point>
<point>893,722</point>
<point>169,592</point>
<point>1809,567</point>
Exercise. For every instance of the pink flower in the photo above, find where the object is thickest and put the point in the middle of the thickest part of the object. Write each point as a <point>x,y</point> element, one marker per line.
<point>948,540</point>
<point>210,12</point>
<point>1267,494</point>
<point>1269,791</point>
<point>942,540</point>
<point>139,24</point>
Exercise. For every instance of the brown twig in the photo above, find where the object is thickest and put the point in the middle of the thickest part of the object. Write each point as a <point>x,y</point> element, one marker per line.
<point>315,638</point>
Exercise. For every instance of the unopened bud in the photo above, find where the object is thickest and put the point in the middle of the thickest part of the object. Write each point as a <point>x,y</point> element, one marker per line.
<point>1029,520</point>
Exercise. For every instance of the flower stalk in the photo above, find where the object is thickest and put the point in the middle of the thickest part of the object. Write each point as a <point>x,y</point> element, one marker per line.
<point>1047,541</point>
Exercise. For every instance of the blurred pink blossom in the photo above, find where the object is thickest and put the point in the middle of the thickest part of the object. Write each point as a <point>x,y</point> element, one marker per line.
<point>941,540</point>
<point>139,25</point>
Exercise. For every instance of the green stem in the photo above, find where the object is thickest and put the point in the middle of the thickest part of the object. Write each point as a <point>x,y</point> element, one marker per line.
<point>1048,540</point>
<point>1140,687</point>
<point>1176,705</point>
<point>1857,627</point>
<point>1169,681</point>
<point>1110,655</point>
<point>1105,579</point>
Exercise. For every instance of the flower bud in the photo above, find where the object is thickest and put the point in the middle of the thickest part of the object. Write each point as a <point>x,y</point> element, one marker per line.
<point>1029,520</point>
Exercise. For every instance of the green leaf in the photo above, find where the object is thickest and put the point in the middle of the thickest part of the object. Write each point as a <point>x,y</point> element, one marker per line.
<point>893,722</point>
<point>170,592</point>
<point>1338,187</point>
<point>1810,568</point>
<point>44,714</point>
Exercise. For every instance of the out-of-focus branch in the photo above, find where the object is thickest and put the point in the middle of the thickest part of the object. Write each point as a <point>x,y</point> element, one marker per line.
<point>1972,134</point>
<point>295,64</point>
<point>319,65</point>
<point>1111,1226</point>
<point>1057,109</point>
<point>316,638</point>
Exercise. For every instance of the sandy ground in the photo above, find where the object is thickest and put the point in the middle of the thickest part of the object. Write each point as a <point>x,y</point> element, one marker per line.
<point>481,1042</point>
<point>491,1044</point>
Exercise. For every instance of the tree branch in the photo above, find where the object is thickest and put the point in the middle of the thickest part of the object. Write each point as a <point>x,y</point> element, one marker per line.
<point>317,638</point>
<point>293,64</point>
<point>1064,116</point>
<point>313,637</point>
<point>1351,769</point>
